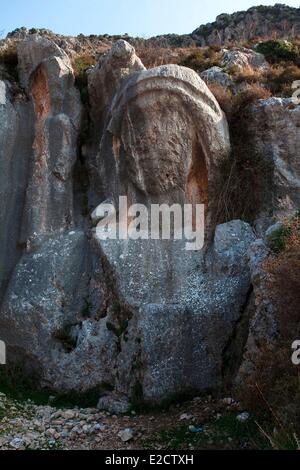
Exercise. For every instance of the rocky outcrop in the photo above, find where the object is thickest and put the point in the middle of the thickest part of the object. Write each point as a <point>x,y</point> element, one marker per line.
<point>233,61</point>
<point>239,58</point>
<point>153,154</point>
<point>275,124</point>
<point>40,133</point>
<point>103,82</point>
<point>16,136</point>
<point>46,73</point>
<point>263,327</point>
<point>217,75</point>
<point>279,21</point>
<point>142,318</point>
<point>179,162</point>
<point>43,316</point>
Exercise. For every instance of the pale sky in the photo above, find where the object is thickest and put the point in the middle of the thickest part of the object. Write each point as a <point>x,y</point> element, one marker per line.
<point>136,17</point>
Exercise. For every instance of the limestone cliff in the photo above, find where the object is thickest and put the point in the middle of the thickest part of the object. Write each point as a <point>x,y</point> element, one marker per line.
<point>145,319</point>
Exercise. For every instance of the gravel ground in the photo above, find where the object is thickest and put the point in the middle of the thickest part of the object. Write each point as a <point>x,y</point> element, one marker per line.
<point>24,425</point>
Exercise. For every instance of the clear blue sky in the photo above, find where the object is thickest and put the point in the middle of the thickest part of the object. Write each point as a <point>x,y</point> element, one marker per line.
<point>135,17</point>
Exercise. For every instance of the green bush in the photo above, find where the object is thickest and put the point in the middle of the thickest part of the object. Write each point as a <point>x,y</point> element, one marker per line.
<point>80,66</point>
<point>277,239</point>
<point>245,183</point>
<point>278,50</point>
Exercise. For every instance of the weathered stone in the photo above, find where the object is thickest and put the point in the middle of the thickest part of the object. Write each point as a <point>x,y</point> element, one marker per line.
<point>57,107</point>
<point>241,57</point>
<point>126,434</point>
<point>217,75</point>
<point>147,319</point>
<point>159,283</point>
<point>275,125</point>
<point>231,241</point>
<point>182,144</point>
<point>42,321</point>
<point>32,51</point>
<point>263,328</point>
<point>16,135</point>
<point>104,81</point>
<point>243,417</point>
<point>114,403</point>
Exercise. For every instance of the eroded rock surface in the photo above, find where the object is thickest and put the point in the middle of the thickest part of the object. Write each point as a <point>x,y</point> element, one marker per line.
<point>16,134</point>
<point>275,123</point>
<point>239,58</point>
<point>139,319</point>
<point>217,75</point>
<point>175,299</point>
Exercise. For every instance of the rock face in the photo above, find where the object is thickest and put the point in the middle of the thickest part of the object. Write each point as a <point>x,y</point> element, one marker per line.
<point>261,21</point>
<point>174,156</point>
<point>138,319</point>
<point>275,124</point>
<point>263,327</point>
<point>242,57</point>
<point>42,315</point>
<point>103,83</point>
<point>16,134</point>
<point>47,74</point>
<point>280,21</point>
<point>152,154</point>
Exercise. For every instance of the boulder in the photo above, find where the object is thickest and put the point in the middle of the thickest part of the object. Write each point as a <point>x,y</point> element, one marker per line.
<point>241,57</point>
<point>218,76</point>
<point>113,403</point>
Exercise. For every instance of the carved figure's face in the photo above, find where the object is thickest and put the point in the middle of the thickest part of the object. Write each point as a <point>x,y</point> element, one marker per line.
<point>158,144</point>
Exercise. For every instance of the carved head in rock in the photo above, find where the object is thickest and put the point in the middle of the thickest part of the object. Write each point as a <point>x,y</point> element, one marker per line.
<point>164,138</point>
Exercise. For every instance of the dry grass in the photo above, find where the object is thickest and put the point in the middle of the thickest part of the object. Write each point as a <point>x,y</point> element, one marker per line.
<point>196,58</point>
<point>274,385</point>
<point>201,59</point>
<point>248,74</point>
<point>284,269</point>
<point>223,96</point>
<point>278,78</point>
<point>246,177</point>
<point>156,56</point>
